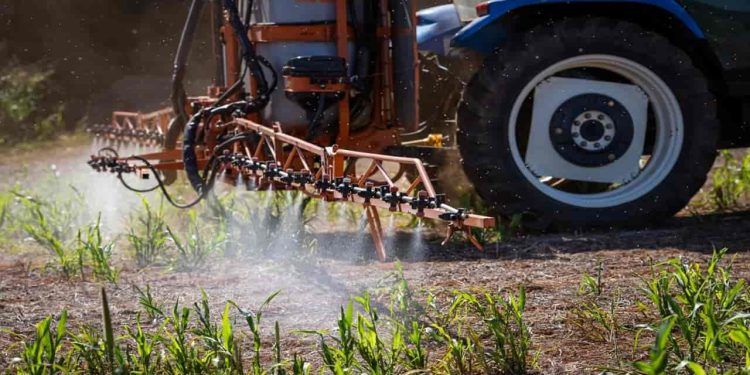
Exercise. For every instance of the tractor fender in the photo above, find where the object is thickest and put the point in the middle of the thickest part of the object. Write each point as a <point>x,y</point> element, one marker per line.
<point>485,33</point>
<point>436,27</point>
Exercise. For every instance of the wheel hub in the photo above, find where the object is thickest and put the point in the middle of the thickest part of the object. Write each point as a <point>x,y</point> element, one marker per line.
<point>587,130</point>
<point>591,130</point>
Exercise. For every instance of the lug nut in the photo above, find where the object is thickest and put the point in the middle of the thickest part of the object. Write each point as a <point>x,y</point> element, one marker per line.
<point>587,115</point>
<point>584,144</point>
<point>575,135</point>
<point>607,138</point>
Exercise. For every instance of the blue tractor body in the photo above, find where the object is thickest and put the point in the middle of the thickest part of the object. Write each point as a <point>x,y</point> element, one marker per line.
<point>483,33</point>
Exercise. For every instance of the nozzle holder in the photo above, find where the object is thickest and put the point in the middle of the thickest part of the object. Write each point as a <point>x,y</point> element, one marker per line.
<point>345,187</point>
<point>368,193</point>
<point>391,195</point>
<point>421,202</point>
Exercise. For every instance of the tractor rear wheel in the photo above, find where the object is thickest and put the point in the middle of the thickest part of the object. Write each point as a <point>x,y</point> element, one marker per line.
<point>588,122</point>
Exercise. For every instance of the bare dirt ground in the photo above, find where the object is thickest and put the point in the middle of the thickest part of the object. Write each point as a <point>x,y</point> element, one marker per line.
<point>549,265</point>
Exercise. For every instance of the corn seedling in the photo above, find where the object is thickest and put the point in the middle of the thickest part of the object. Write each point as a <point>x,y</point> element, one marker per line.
<point>592,285</point>
<point>708,310</point>
<point>47,237</point>
<point>42,355</point>
<point>99,253</point>
<point>730,181</point>
<point>148,234</point>
<point>196,248</point>
<point>221,348</point>
<point>192,341</point>
<point>253,323</point>
<point>144,357</point>
<point>153,309</point>
<point>503,321</point>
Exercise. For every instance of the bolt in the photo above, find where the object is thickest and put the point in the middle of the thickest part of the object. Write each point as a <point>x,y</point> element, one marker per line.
<point>577,123</point>
<point>609,126</point>
<point>575,135</point>
<point>597,145</point>
<point>607,138</point>
<point>587,115</point>
<point>584,144</point>
<point>600,117</point>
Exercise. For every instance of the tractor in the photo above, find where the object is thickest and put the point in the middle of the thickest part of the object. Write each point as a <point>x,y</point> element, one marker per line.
<point>590,113</point>
<point>595,113</point>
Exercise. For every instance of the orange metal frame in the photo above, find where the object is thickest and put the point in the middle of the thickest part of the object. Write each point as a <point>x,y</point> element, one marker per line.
<point>289,153</point>
<point>292,153</point>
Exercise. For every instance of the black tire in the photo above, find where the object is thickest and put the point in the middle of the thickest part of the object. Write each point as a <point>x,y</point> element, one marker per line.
<point>488,99</point>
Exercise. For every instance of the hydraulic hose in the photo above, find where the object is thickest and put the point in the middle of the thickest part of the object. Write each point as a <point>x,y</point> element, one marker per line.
<point>254,64</point>
<point>179,97</point>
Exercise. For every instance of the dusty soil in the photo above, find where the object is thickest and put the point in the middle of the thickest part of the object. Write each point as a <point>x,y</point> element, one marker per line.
<point>313,287</point>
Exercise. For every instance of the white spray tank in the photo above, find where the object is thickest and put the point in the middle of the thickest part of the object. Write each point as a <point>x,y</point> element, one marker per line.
<point>292,12</point>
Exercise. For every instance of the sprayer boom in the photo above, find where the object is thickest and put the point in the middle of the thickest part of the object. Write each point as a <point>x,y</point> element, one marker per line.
<point>267,158</point>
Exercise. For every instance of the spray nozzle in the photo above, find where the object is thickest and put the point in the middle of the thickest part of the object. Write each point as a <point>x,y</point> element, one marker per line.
<point>392,196</point>
<point>345,187</point>
<point>323,185</point>
<point>368,193</point>
<point>287,178</point>
<point>302,178</point>
<point>457,216</point>
<point>272,171</point>
<point>421,202</point>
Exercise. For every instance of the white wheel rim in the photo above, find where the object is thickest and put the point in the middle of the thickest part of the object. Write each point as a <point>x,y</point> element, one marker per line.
<point>667,144</point>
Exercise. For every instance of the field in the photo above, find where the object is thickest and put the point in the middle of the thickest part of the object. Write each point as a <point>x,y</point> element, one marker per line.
<point>456,310</point>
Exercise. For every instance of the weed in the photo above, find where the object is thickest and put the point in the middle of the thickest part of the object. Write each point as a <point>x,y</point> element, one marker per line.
<point>598,320</point>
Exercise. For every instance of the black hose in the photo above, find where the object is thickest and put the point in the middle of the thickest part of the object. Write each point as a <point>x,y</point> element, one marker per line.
<point>179,97</point>
<point>254,64</point>
<point>317,117</point>
<point>161,185</point>
<point>189,156</point>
